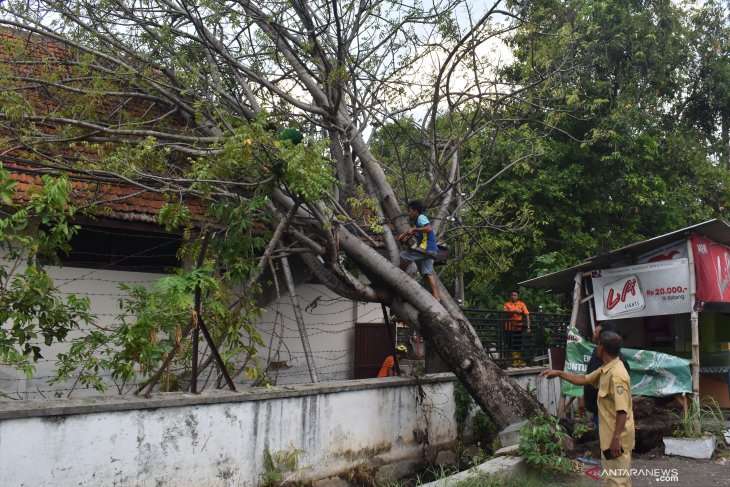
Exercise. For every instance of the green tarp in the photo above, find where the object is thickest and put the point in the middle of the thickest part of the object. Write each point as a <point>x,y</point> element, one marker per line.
<point>652,373</point>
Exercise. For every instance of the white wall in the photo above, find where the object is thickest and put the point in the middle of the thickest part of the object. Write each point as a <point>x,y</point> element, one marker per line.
<point>218,439</point>
<point>330,323</point>
<point>546,391</point>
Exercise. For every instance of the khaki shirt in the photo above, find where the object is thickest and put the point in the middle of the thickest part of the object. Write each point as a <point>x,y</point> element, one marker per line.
<point>614,394</point>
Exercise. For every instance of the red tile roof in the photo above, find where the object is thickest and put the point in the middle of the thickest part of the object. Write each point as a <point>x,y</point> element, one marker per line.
<point>114,200</point>
<point>24,57</point>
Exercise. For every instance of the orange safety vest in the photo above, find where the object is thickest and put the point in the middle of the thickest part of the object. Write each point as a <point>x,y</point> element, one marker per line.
<point>388,364</point>
<point>515,321</point>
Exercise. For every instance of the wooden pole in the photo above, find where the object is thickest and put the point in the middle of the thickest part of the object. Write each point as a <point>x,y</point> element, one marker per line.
<point>198,300</point>
<point>300,320</point>
<point>216,354</point>
<point>589,299</point>
<point>393,340</point>
<point>576,298</point>
<point>573,321</point>
<point>694,322</point>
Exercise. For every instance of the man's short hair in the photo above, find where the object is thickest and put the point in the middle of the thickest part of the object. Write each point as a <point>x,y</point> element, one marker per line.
<point>416,205</point>
<point>611,342</point>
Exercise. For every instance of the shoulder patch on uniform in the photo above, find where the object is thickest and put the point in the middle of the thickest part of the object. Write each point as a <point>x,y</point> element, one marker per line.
<point>619,389</point>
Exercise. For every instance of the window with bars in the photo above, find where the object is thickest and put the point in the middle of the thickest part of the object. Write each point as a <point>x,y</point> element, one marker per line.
<point>119,248</point>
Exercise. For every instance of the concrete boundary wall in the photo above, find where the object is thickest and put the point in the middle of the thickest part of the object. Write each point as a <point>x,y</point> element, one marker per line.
<point>219,438</point>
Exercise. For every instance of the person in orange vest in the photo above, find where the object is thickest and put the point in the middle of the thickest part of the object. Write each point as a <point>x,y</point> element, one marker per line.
<point>388,367</point>
<point>513,326</point>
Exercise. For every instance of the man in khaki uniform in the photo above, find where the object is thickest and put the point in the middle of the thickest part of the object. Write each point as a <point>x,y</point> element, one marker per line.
<point>615,416</point>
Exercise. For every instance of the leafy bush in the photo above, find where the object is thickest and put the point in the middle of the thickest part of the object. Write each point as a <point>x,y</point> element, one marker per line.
<point>33,232</point>
<point>583,424</point>
<point>464,403</point>
<point>483,427</point>
<point>541,444</point>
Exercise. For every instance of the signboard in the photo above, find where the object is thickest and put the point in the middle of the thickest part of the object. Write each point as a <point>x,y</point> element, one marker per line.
<point>712,270</point>
<point>651,289</point>
<point>652,373</point>
<point>676,250</point>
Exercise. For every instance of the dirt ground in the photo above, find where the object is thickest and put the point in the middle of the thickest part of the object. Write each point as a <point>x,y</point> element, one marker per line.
<point>689,472</point>
<point>653,422</point>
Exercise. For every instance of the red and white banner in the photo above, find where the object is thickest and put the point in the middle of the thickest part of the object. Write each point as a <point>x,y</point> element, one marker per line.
<point>651,289</point>
<point>712,270</point>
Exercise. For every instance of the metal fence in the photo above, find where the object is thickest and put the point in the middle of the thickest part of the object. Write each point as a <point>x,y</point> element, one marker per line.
<point>518,348</point>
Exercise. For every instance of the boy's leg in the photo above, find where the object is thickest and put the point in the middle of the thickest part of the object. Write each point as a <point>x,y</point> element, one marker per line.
<point>434,288</point>
<point>405,260</point>
<point>425,266</point>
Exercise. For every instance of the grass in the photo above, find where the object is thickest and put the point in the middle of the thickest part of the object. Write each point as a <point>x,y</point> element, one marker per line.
<point>700,413</point>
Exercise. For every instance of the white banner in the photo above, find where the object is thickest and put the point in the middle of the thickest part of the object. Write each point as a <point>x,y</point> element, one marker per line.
<point>672,251</point>
<point>652,289</point>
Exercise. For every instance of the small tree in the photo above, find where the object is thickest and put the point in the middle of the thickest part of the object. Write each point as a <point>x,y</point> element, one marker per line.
<point>32,309</point>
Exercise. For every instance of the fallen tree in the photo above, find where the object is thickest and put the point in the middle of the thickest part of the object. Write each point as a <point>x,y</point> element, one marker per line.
<point>261,110</point>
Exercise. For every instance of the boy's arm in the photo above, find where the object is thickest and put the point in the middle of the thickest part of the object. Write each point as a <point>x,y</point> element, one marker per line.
<point>424,229</point>
<point>425,225</point>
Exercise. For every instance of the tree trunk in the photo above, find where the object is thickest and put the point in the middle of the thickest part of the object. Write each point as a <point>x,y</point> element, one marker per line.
<point>450,333</point>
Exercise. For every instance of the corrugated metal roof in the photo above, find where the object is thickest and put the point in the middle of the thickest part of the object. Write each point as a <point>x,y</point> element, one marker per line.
<point>562,281</point>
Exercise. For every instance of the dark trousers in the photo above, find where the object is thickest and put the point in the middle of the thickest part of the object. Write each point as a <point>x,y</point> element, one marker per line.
<point>514,340</point>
